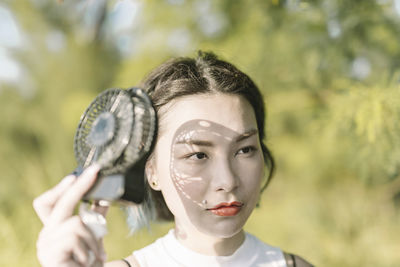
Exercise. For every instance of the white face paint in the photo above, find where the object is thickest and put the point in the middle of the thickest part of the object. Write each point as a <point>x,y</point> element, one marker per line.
<point>209,163</point>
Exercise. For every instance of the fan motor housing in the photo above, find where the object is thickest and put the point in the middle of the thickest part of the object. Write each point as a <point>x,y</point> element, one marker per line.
<point>102,130</point>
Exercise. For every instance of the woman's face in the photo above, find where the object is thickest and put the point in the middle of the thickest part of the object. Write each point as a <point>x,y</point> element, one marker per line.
<point>208,162</point>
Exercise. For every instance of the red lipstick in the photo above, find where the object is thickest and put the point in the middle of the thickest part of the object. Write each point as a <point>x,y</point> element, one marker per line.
<point>227,209</point>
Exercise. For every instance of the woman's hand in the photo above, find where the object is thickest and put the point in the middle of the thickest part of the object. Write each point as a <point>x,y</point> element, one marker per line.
<point>64,239</point>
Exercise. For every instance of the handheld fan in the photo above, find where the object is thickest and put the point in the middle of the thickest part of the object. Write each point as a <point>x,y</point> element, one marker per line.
<point>116,131</point>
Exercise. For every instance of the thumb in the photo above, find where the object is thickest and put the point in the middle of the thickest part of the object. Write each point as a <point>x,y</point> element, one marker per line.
<point>64,207</point>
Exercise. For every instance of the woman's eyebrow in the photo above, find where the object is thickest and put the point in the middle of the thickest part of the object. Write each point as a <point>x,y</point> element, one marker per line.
<point>195,142</point>
<point>246,135</point>
<point>199,142</point>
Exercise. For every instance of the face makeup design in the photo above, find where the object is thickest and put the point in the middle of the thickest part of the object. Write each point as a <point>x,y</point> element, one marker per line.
<point>217,173</point>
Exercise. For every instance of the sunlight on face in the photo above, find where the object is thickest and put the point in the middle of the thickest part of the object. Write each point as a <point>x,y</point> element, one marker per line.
<point>201,150</point>
<point>209,162</point>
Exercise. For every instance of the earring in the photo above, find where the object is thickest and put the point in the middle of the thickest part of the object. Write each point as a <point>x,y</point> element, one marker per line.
<point>154,183</point>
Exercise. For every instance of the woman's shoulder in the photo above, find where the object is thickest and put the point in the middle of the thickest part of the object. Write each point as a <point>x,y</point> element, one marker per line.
<point>262,252</point>
<point>290,259</point>
<point>138,257</point>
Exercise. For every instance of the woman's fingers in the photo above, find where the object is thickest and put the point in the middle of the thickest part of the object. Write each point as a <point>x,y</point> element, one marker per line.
<point>65,240</point>
<point>72,242</point>
<point>65,205</point>
<point>80,252</point>
<point>44,204</point>
<point>85,234</point>
<point>71,250</point>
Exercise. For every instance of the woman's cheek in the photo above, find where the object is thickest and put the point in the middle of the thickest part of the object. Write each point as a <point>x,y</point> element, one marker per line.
<point>189,179</point>
<point>251,172</point>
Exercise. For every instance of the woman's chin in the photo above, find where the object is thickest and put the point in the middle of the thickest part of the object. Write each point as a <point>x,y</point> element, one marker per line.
<point>221,229</point>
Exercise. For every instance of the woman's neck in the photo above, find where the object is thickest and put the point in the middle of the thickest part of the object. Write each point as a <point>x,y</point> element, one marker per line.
<point>207,244</point>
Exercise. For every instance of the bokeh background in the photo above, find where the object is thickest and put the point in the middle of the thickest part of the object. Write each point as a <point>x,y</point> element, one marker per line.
<point>329,72</point>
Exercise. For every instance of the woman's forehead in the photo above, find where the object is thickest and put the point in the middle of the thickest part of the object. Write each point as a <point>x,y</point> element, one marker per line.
<point>199,131</point>
<point>229,111</point>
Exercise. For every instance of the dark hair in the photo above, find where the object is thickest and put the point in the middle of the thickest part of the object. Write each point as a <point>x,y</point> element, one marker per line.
<point>203,75</point>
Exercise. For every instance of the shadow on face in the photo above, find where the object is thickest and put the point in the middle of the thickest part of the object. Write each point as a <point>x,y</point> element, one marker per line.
<point>216,172</point>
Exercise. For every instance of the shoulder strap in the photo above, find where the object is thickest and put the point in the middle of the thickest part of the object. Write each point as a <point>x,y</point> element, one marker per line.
<point>127,262</point>
<point>295,261</point>
<point>131,261</point>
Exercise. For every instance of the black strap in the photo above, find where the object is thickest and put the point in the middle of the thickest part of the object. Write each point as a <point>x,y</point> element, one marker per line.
<point>295,261</point>
<point>289,259</point>
<point>127,262</point>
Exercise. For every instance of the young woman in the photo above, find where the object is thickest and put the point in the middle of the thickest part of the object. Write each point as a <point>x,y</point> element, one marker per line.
<point>206,172</point>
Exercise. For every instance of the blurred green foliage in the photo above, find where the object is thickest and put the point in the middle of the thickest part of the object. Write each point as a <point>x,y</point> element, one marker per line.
<point>329,71</point>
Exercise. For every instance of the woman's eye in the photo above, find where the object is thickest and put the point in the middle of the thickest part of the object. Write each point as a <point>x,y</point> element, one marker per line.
<point>197,156</point>
<point>246,150</point>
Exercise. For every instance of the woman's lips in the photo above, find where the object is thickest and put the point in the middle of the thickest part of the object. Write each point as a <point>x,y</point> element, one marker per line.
<point>227,209</point>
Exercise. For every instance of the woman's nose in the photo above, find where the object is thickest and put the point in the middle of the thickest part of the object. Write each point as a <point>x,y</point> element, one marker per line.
<point>224,177</point>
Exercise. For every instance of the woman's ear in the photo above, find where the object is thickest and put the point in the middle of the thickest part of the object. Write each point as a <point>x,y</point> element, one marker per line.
<point>150,173</point>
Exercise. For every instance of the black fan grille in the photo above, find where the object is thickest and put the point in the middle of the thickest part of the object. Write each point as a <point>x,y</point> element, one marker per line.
<point>118,103</point>
<point>142,132</point>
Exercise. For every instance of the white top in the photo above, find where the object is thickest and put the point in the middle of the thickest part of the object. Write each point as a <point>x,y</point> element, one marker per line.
<point>167,251</point>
